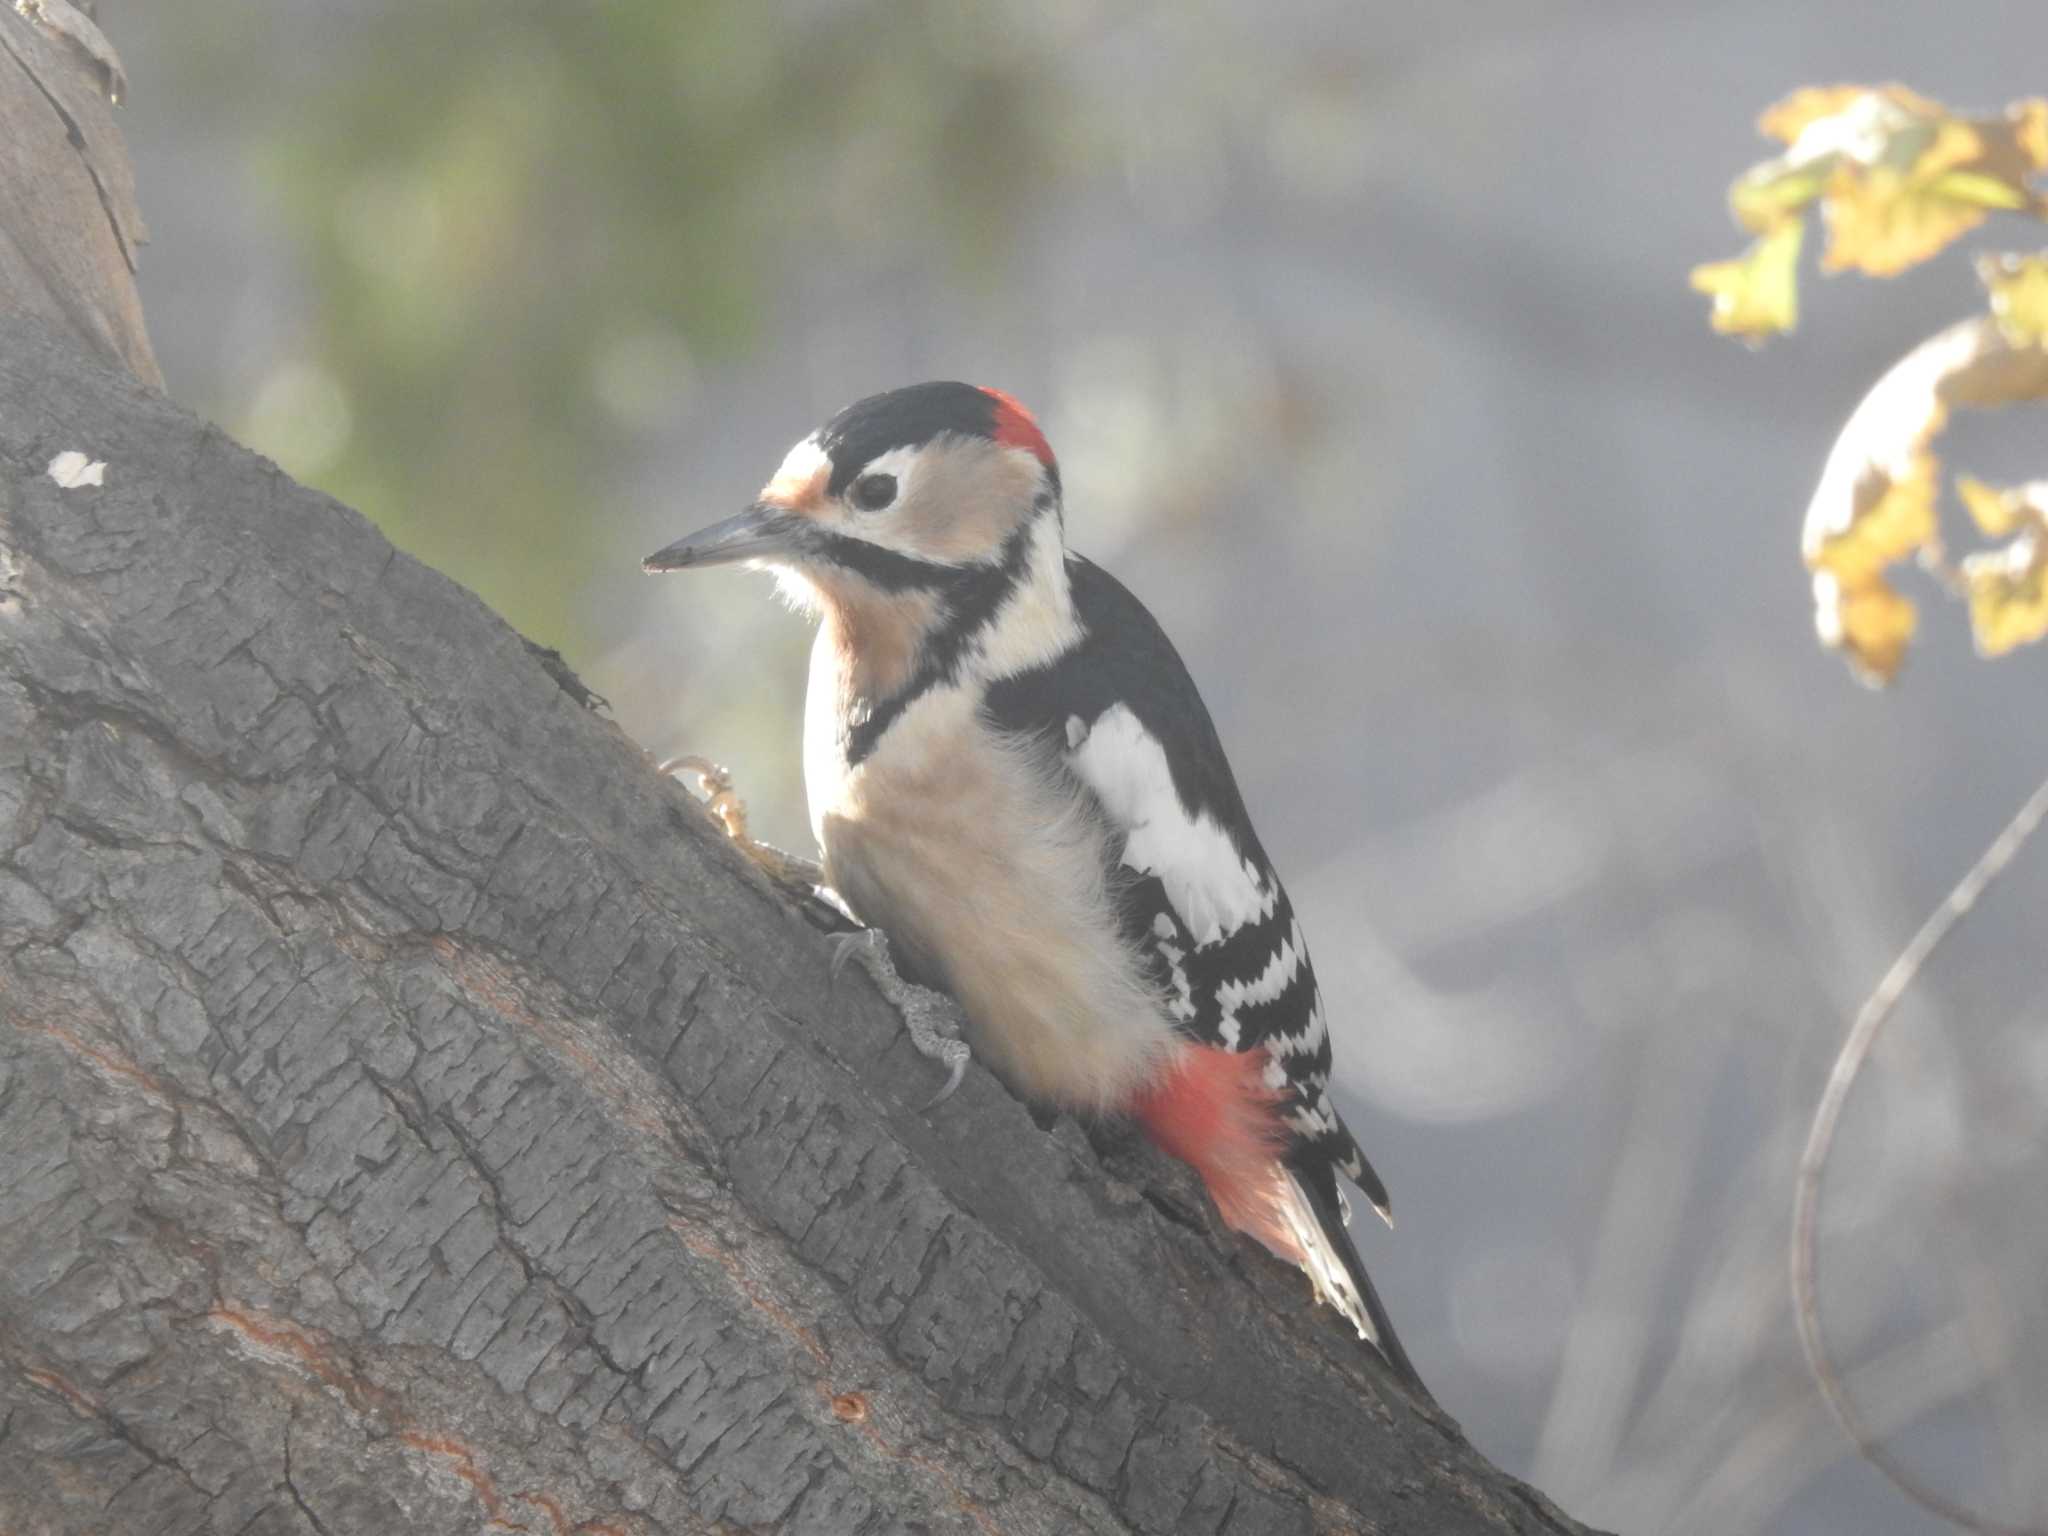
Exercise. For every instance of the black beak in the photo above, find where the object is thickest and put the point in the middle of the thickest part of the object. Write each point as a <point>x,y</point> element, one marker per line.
<point>762,532</point>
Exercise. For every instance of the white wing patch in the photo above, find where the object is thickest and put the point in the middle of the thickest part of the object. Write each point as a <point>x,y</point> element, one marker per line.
<point>1211,884</point>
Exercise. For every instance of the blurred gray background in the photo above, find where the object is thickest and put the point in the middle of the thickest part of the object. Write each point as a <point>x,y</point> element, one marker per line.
<point>1363,336</point>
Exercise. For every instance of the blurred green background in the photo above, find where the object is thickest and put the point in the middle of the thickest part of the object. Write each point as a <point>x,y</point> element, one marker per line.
<point>1363,336</point>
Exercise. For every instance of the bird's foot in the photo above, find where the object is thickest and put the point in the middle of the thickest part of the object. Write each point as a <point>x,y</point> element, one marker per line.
<point>791,871</point>
<point>929,1016</point>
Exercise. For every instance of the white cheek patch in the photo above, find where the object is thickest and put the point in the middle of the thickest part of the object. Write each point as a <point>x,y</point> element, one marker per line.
<point>1210,883</point>
<point>1036,622</point>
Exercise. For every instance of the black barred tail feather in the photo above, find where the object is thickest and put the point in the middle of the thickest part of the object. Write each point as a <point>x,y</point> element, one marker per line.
<point>1334,1241</point>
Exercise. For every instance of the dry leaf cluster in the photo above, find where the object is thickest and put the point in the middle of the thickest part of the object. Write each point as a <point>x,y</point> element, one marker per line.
<point>1897,178</point>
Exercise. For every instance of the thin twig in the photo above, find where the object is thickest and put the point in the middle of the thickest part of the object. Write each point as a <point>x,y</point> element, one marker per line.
<point>1820,1140</point>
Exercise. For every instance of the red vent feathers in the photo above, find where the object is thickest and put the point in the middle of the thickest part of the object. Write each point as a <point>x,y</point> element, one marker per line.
<point>1212,1108</point>
<point>1015,427</point>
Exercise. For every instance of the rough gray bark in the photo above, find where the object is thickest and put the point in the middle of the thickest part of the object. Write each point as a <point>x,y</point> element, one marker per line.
<point>69,224</point>
<point>415,1116</point>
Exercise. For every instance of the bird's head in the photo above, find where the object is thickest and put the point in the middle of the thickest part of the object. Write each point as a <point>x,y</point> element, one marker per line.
<point>907,493</point>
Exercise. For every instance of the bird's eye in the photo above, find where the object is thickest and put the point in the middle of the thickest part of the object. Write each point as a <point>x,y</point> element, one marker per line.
<point>871,493</point>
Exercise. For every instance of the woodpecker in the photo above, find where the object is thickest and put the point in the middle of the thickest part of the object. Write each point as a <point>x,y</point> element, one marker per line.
<point>1013,778</point>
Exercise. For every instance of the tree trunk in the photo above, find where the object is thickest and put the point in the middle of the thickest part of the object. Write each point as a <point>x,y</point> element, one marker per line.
<point>416,1116</point>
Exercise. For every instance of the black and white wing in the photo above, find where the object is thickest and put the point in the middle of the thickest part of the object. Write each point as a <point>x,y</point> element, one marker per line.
<point>1200,902</point>
<point>1196,894</point>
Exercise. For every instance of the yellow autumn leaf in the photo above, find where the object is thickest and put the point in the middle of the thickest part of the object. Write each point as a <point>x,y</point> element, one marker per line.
<point>2008,586</point>
<point>1757,294</point>
<point>1898,177</point>
<point>1787,119</point>
<point>1923,190</point>
<point>2018,286</point>
<point>2030,129</point>
<point>1767,197</point>
<point>1810,104</point>
<point>1875,504</point>
<point>1872,624</point>
<point>1991,509</point>
<point>2008,594</point>
<point>1985,191</point>
<point>1893,517</point>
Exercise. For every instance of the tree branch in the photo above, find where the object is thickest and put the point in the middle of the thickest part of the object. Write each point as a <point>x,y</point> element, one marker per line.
<point>390,1059</point>
<point>1820,1142</point>
<point>416,1115</point>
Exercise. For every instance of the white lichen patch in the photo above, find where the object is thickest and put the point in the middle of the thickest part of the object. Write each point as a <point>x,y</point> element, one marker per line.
<point>72,469</point>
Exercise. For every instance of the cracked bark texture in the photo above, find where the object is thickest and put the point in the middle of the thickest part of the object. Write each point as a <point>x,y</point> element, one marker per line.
<point>415,1116</point>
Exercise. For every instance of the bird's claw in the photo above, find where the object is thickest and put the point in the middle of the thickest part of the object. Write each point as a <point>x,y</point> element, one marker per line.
<point>927,1015</point>
<point>714,781</point>
<point>799,877</point>
<point>845,945</point>
<point>956,1055</point>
